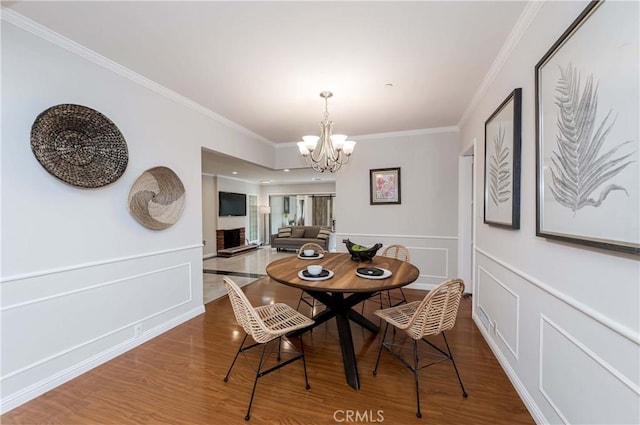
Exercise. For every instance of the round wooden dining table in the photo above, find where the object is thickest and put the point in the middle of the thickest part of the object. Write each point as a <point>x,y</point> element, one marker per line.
<point>341,292</point>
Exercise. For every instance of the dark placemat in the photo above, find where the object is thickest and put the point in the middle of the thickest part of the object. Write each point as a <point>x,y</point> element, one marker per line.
<point>370,271</point>
<point>323,273</point>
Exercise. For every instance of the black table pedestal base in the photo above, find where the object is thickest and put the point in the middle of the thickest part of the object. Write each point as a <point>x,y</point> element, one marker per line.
<point>341,308</point>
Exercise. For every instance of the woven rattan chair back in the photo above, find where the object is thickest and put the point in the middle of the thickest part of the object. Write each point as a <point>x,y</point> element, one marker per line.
<point>307,299</point>
<point>265,323</point>
<point>312,245</point>
<point>435,314</point>
<point>246,315</point>
<point>399,252</point>
<point>438,310</point>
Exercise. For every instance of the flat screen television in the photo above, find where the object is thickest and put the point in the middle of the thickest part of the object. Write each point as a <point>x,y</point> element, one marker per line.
<point>232,204</point>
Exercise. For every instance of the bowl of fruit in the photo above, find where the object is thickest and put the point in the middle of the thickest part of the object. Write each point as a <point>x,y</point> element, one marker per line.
<point>361,253</point>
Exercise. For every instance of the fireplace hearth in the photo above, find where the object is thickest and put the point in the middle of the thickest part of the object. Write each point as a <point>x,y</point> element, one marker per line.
<point>231,242</point>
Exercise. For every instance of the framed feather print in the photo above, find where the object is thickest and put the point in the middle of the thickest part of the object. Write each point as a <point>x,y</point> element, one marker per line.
<point>502,163</point>
<point>587,133</point>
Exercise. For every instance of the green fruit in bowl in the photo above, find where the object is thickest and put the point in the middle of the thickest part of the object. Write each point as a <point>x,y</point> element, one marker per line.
<point>359,248</point>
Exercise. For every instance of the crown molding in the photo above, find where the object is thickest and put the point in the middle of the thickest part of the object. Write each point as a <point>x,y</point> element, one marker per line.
<point>420,132</point>
<point>51,36</point>
<point>526,17</point>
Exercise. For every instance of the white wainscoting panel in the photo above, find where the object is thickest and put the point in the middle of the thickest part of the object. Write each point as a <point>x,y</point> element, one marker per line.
<point>99,303</point>
<point>502,307</point>
<point>575,381</point>
<point>434,261</point>
<point>568,364</point>
<point>60,323</point>
<point>435,256</point>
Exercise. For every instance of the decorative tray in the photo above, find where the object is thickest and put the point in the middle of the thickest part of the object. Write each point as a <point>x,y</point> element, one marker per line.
<point>373,273</point>
<point>324,275</point>
<point>316,256</point>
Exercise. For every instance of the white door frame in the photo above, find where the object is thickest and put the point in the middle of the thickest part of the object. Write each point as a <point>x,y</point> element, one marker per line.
<point>466,218</point>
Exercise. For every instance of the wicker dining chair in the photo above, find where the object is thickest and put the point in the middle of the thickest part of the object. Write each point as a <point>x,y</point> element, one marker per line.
<point>399,252</point>
<point>435,314</point>
<point>265,324</point>
<point>304,298</point>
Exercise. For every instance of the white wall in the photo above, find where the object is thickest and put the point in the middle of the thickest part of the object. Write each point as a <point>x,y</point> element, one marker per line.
<point>209,214</point>
<point>566,316</point>
<point>237,186</point>
<point>426,220</point>
<point>295,189</point>
<point>78,272</point>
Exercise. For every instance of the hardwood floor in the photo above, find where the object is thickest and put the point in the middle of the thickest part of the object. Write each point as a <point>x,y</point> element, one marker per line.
<point>176,378</point>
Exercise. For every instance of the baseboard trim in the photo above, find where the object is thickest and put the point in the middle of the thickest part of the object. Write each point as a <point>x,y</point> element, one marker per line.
<point>421,286</point>
<point>525,396</point>
<point>14,400</point>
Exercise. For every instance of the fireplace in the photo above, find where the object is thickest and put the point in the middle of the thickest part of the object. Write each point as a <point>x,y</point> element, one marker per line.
<point>229,238</point>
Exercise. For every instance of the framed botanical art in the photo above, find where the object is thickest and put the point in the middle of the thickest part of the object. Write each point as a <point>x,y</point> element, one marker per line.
<point>384,186</point>
<point>587,133</point>
<point>502,163</point>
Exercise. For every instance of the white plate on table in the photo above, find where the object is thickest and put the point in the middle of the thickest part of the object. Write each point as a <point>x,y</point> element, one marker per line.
<point>314,257</point>
<point>385,274</point>
<point>303,277</point>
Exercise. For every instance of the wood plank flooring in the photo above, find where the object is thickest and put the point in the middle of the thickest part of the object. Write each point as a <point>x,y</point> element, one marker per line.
<point>176,378</point>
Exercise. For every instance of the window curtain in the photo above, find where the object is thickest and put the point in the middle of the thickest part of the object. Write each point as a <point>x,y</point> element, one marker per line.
<point>322,210</point>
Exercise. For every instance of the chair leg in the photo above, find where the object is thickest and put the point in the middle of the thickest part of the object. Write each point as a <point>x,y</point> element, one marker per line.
<point>226,378</point>
<point>312,305</point>
<point>386,327</point>
<point>304,364</point>
<point>464,393</point>
<point>255,382</point>
<point>279,347</point>
<point>389,299</point>
<point>404,297</point>
<point>415,374</point>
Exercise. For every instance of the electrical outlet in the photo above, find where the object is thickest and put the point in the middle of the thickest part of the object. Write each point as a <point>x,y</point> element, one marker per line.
<point>137,330</point>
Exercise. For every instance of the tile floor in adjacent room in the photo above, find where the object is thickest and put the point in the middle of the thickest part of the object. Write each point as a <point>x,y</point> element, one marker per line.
<point>243,268</point>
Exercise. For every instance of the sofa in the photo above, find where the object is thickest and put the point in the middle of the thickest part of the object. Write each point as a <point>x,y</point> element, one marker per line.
<point>293,237</point>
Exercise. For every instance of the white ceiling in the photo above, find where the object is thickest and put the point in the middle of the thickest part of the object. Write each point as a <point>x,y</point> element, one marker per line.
<point>263,64</point>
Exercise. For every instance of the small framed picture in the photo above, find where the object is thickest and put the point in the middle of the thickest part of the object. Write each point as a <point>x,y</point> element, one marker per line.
<point>385,186</point>
<point>502,133</point>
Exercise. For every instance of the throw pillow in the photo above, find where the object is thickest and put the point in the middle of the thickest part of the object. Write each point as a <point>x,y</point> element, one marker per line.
<point>284,232</point>
<point>311,232</point>
<point>297,232</point>
<point>324,234</point>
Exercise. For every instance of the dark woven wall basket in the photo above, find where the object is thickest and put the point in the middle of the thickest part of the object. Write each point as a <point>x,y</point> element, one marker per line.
<point>79,146</point>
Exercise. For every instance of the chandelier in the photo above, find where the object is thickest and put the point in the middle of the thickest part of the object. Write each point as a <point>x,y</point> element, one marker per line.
<point>334,150</point>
